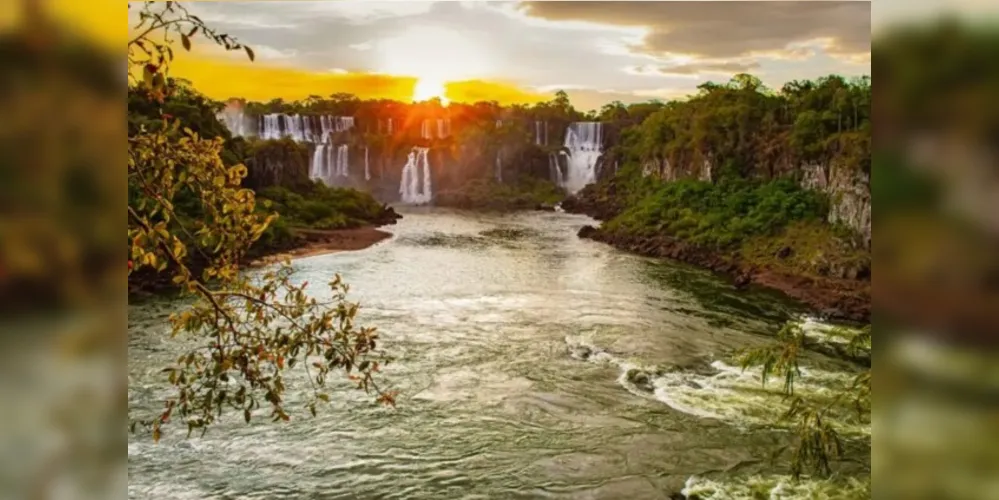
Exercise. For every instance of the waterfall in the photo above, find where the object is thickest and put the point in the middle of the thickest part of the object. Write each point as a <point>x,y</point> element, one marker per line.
<point>367,171</point>
<point>541,133</point>
<point>390,126</point>
<point>584,143</point>
<point>343,123</point>
<point>316,167</point>
<point>555,169</point>
<point>300,128</point>
<point>443,127</point>
<point>329,162</point>
<point>409,189</point>
<point>499,123</point>
<point>342,166</point>
<point>499,167</point>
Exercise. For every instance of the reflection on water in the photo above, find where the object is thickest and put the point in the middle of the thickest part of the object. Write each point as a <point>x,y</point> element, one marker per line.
<point>477,311</point>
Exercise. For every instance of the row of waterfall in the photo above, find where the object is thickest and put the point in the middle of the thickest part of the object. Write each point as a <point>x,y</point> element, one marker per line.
<point>411,190</point>
<point>303,128</point>
<point>442,127</point>
<point>582,149</point>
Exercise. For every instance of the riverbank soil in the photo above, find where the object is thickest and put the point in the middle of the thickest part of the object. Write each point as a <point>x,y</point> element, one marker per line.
<point>320,241</point>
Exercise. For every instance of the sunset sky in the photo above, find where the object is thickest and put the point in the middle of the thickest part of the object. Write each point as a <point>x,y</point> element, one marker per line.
<point>522,51</point>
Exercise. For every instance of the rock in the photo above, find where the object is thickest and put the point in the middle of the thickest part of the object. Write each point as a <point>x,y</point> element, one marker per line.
<point>544,207</point>
<point>784,253</point>
<point>694,385</point>
<point>640,378</point>
<point>587,232</point>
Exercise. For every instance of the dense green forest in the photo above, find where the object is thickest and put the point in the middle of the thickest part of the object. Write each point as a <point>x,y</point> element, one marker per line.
<point>727,170</point>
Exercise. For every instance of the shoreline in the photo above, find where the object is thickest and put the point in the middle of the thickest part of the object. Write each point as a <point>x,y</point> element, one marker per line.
<point>835,298</point>
<point>315,242</point>
<point>325,241</point>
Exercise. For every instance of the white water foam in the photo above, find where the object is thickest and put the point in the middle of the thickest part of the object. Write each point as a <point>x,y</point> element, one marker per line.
<point>719,390</point>
<point>775,488</point>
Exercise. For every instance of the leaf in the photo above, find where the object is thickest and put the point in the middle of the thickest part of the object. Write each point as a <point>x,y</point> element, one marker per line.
<point>249,53</point>
<point>186,41</point>
<point>148,72</point>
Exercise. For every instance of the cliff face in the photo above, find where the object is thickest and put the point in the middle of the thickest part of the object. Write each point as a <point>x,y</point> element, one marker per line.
<point>849,191</point>
<point>842,179</point>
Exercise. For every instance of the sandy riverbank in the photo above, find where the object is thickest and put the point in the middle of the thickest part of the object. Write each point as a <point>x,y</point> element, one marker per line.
<point>320,241</point>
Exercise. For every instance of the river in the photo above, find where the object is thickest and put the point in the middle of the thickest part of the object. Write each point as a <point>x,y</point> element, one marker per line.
<point>512,340</point>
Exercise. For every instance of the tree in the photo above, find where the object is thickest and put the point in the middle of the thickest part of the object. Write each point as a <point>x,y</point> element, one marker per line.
<point>817,440</point>
<point>249,332</point>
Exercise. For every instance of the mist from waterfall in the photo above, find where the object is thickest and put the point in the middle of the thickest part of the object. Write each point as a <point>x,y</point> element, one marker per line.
<point>238,123</point>
<point>583,147</point>
<point>410,190</point>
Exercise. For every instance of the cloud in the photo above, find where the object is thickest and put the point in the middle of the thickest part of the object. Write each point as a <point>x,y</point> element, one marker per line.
<point>696,68</point>
<point>724,29</point>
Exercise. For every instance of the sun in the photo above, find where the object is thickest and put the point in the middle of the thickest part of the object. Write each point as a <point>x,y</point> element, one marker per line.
<point>434,56</point>
<point>428,88</point>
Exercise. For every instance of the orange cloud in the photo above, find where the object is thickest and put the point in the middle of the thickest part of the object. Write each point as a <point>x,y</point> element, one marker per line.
<point>480,90</point>
<point>223,76</point>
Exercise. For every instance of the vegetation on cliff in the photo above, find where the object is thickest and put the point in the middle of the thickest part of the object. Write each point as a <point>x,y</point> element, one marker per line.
<point>526,194</point>
<point>722,172</point>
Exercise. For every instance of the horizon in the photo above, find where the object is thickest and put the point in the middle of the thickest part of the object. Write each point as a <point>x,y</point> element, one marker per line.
<point>521,52</point>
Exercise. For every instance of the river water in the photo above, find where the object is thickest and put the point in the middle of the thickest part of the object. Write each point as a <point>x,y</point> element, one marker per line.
<point>513,339</point>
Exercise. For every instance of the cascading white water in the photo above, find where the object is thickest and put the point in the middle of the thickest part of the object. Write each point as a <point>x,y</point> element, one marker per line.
<point>555,169</point>
<point>584,143</point>
<point>390,126</point>
<point>410,190</point>
<point>330,162</point>
<point>367,170</point>
<point>342,160</point>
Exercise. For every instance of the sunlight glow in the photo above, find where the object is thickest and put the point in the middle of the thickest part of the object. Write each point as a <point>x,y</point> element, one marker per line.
<point>427,88</point>
<point>434,56</point>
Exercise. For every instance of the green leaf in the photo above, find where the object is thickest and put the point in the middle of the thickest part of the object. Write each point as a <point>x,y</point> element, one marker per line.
<point>186,41</point>
<point>249,53</point>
